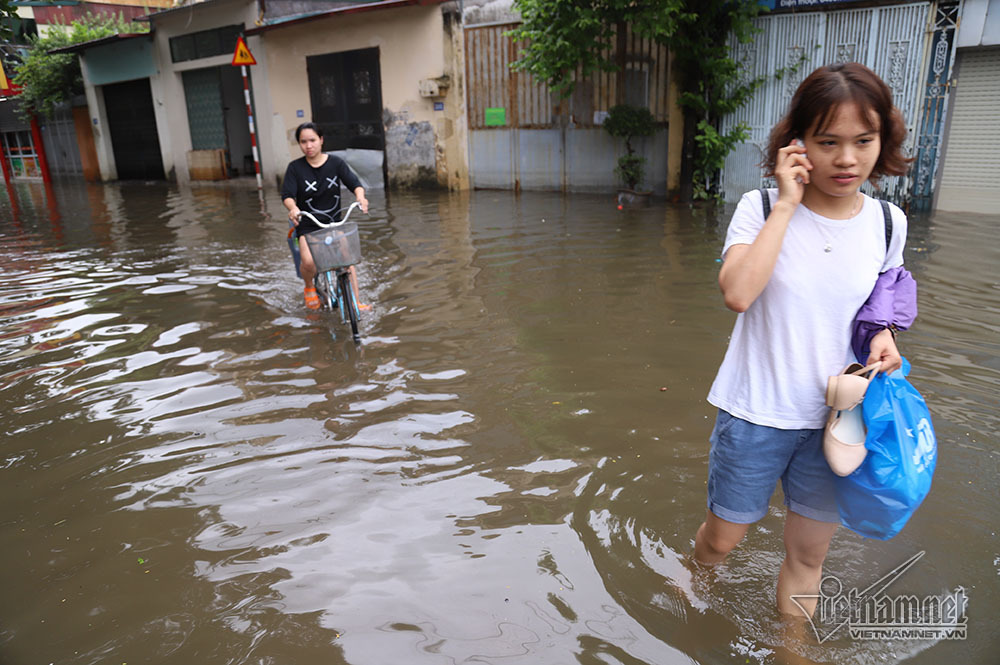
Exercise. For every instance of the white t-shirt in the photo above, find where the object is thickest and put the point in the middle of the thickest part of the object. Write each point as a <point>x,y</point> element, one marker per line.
<point>798,331</point>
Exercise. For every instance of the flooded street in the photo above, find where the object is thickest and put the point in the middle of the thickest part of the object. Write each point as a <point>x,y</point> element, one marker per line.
<point>509,469</point>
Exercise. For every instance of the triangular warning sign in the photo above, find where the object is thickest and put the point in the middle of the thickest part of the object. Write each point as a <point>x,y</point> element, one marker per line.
<point>242,56</point>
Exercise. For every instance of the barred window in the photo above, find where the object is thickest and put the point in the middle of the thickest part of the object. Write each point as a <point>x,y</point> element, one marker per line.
<point>205,44</point>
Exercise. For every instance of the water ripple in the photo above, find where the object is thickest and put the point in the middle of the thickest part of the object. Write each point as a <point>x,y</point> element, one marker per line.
<point>511,466</point>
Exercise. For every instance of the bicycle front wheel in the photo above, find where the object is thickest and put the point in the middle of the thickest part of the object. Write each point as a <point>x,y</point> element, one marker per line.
<point>349,303</point>
<point>324,283</point>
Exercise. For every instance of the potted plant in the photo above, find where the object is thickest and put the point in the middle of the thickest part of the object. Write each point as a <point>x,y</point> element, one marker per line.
<point>627,122</point>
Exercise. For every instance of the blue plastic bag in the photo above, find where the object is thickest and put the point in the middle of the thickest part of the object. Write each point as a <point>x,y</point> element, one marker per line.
<point>880,496</point>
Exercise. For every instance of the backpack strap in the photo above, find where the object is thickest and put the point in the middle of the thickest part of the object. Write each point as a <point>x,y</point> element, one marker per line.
<point>887,213</point>
<point>765,201</point>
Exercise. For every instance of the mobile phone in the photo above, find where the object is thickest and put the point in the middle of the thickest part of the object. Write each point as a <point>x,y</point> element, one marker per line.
<point>801,144</point>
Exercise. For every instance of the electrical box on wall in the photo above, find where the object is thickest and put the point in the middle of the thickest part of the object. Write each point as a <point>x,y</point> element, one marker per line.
<point>436,87</point>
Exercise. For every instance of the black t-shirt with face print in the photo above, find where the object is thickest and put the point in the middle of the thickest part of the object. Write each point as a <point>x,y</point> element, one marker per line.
<point>317,190</point>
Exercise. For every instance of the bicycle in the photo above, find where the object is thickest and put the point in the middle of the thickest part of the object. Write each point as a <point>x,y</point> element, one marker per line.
<point>335,248</point>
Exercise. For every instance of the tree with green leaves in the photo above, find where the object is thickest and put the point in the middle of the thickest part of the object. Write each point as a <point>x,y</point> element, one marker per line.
<point>559,36</point>
<point>48,79</point>
<point>627,122</point>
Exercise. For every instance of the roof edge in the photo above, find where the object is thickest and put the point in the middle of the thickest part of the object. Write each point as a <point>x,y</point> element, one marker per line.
<point>195,4</point>
<point>83,46</point>
<point>355,9</point>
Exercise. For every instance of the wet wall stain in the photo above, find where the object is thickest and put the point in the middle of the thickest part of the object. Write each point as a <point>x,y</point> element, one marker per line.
<point>411,152</point>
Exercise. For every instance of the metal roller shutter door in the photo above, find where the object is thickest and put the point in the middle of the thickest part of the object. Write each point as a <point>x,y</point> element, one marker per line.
<point>972,157</point>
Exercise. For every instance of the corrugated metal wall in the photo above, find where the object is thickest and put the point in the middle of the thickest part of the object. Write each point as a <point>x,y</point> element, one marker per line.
<point>549,143</point>
<point>890,40</point>
<point>530,104</point>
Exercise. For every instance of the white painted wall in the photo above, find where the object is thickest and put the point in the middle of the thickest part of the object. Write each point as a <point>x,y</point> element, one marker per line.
<point>413,45</point>
<point>99,126</point>
<point>980,24</point>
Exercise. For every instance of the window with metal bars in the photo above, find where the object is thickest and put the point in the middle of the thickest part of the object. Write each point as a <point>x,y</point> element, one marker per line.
<point>19,150</point>
<point>205,44</point>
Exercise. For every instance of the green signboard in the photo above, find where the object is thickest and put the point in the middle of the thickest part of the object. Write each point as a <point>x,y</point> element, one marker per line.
<point>496,117</point>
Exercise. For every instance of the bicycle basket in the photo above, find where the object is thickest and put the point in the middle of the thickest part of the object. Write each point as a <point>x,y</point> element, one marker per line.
<point>336,247</point>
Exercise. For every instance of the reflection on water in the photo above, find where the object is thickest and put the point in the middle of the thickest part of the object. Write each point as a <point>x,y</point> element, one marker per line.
<point>509,469</point>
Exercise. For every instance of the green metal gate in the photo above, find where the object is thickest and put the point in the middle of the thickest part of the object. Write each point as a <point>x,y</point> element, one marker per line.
<point>203,95</point>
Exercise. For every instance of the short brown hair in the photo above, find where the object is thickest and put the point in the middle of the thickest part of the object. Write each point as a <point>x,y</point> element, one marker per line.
<point>817,100</point>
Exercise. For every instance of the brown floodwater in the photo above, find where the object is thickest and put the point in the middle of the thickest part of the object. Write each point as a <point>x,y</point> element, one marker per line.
<point>509,469</point>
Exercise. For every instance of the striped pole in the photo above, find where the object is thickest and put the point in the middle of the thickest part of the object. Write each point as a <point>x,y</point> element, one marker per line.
<point>253,134</point>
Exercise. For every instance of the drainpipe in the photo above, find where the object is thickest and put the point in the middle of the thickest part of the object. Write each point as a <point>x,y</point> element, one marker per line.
<point>36,138</point>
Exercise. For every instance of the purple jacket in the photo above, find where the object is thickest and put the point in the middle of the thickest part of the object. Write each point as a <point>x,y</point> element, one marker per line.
<point>893,302</point>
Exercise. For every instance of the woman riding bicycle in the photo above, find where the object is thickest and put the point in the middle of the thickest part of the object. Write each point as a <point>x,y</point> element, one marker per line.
<point>312,184</point>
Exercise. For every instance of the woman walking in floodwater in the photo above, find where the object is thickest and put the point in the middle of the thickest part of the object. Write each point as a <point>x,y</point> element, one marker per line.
<point>797,279</point>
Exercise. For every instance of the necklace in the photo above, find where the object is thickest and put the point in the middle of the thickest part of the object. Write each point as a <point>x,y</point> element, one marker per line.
<point>828,246</point>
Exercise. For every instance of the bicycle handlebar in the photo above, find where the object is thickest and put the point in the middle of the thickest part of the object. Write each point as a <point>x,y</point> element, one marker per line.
<point>311,216</point>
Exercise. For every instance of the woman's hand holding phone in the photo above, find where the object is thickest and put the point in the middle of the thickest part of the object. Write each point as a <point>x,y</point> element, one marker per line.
<point>792,172</point>
<point>801,144</point>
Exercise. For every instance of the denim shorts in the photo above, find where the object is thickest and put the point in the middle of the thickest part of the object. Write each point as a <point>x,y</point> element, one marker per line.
<point>746,461</point>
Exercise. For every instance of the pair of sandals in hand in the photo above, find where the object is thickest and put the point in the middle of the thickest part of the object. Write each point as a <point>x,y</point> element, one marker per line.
<point>844,437</point>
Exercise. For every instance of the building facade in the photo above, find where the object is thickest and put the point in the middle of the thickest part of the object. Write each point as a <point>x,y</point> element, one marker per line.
<point>65,139</point>
<point>384,82</point>
<point>420,93</point>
